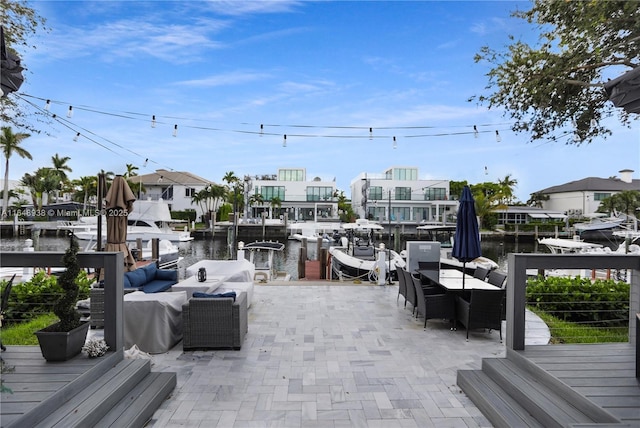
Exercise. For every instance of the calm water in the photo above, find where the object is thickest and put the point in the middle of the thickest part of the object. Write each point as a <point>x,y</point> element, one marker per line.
<point>287,261</point>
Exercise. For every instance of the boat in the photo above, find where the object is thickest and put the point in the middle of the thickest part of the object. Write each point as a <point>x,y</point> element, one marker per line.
<point>444,234</point>
<point>148,220</point>
<point>168,253</point>
<point>314,232</point>
<point>599,222</point>
<point>262,255</point>
<point>578,246</point>
<point>357,255</point>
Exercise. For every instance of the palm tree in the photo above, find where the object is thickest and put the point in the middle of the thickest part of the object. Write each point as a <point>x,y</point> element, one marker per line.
<point>256,199</point>
<point>507,184</point>
<point>537,199</point>
<point>10,143</point>
<point>88,185</point>
<point>276,202</point>
<point>60,168</point>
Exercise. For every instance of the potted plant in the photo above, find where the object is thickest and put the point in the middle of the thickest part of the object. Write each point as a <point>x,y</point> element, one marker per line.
<point>65,339</point>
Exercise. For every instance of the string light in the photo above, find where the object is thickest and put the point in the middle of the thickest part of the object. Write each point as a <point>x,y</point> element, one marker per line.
<point>76,137</point>
<point>498,137</point>
<point>47,105</point>
<point>475,131</point>
<point>153,121</point>
<point>370,133</point>
<point>70,112</point>
<point>395,143</point>
<point>175,130</point>
<point>594,123</point>
<point>144,165</point>
<point>284,141</point>
<point>261,129</point>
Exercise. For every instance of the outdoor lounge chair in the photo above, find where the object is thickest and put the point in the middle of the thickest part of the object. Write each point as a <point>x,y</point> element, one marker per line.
<point>214,322</point>
<point>483,310</point>
<point>433,306</point>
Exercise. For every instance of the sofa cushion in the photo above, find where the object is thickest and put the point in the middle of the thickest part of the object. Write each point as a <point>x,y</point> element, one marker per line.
<point>157,286</point>
<point>137,278</point>
<point>126,282</point>
<point>167,274</point>
<point>150,271</point>
<point>231,294</point>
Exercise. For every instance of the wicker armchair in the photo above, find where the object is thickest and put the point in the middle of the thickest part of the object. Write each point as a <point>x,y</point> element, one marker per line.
<point>402,285</point>
<point>483,310</point>
<point>214,323</point>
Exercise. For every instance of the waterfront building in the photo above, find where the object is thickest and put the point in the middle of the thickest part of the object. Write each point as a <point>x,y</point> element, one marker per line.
<point>296,197</point>
<point>174,187</point>
<point>516,214</point>
<point>582,197</point>
<point>401,196</point>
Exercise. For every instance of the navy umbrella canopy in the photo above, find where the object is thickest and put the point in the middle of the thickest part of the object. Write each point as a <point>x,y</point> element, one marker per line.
<point>466,243</point>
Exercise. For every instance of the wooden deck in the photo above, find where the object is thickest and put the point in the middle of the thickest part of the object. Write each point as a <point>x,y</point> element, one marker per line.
<point>81,392</point>
<point>32,379</point>
<point>603,373</point>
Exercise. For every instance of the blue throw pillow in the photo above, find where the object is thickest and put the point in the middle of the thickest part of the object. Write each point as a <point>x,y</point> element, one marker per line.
<point>215,296</point>
<point>126,282</point>
<point>137,278</point>
<point>150,271</point>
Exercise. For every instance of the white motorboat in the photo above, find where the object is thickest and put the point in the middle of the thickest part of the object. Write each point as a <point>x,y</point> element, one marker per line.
<point>148,220</point>
<point>599,222</point>
<point>444,234</point>
<point>262,255</point>
<point>313,232</point>
<point>357,256</point>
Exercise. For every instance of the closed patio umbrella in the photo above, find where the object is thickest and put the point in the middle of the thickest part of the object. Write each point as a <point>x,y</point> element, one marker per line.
<point>119,202</point>
<point>624,91</point>
<point>466,242</point>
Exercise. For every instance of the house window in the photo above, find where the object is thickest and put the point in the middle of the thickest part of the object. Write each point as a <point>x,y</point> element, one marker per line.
<point>435,194</point>
<point>270,192</point>
<point>600,196</point>
<point>400,213</point>
<point>403,193</point>
<point>189,192</point>
<point>291,175</point>
<point>319,193</point>
<point>375,193</point>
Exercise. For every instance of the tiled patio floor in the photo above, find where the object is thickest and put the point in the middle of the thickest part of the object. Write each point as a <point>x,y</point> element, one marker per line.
<point>329,356</point>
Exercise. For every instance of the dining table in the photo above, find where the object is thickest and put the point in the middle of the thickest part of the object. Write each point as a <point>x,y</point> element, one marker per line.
<point>452,280</point>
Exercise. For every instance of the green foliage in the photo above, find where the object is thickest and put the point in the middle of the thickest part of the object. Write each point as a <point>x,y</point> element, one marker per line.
<point>569,332</point>
<point>65,306</point>
<point>556,83</point>
<point>35,297</point>
<point>602,303</point>
<point>22,334</point>
<point>188,215</point>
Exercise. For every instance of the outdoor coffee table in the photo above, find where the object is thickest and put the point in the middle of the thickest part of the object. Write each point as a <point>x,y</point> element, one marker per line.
<point>192,285</point>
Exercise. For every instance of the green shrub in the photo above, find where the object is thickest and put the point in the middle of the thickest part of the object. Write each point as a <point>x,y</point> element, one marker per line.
<point>32,298</point>
<point>603,303</point>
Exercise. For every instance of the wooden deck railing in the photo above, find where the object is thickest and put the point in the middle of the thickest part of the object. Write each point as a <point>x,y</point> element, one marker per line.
<point>113,266</point>
<point>517,281</point>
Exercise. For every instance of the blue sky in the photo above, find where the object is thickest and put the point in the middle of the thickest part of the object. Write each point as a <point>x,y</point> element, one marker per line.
<point>322,73</point>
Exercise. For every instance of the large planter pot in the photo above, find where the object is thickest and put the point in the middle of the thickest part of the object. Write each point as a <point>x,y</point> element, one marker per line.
<point>62,346</point>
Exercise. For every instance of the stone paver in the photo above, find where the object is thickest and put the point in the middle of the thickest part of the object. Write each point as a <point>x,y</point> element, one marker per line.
<point>329,356</point>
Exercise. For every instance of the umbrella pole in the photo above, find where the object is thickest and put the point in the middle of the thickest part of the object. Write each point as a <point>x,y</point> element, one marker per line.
<point>464,273</point>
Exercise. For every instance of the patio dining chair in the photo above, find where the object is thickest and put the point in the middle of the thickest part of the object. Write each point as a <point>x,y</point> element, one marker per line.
<point>402,286</point>
<point>433,306</point>
<point>497,278</point>
<point>481,273</point>
<point>483,310</point>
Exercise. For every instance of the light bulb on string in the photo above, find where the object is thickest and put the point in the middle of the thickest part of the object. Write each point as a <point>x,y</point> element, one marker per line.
<point>370,133</point>
<point>76,137</point>
<point>144,165</point>
<point>153,121</point>
<point>261,129</point>
<point>284,141</point>
<point>395,143</point>
<point>475,131</point>
<point>498,137</point>
<point>70,111</point>
<point>47,105</point>
<point>594,123</point>
<point>175,130</point>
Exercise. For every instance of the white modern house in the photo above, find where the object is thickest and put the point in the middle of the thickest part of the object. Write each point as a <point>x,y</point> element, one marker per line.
<point>301,199</point>
<point>581,197</point>
<point>400,195</point>
<point>174,187</point>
